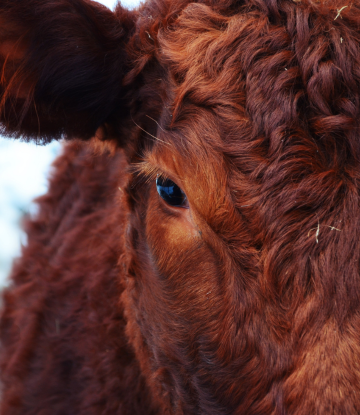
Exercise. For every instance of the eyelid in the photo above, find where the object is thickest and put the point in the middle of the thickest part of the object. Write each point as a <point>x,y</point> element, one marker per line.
<point>151,172</point>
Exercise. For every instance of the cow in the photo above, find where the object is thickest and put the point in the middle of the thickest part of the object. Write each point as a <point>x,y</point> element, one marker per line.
<point>198,249</point>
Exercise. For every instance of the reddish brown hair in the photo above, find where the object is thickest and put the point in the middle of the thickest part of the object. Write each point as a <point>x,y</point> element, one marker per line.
<point>248,301</point>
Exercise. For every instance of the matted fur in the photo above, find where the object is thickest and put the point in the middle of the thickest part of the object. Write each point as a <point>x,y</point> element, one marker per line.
<point>248,302</point>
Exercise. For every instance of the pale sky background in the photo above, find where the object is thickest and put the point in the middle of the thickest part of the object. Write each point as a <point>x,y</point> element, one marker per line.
<point>24,169</point>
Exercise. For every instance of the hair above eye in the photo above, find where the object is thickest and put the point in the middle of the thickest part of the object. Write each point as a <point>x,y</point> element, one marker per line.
<point>171,193</point>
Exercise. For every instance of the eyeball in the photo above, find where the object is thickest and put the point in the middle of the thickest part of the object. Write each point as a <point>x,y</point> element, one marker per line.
<point>171,193</point>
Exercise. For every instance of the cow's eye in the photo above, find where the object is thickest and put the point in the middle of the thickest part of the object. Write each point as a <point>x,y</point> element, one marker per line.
<point>171,192</point>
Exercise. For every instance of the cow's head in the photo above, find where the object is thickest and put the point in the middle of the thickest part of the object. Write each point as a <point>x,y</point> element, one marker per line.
<point>240,123</point>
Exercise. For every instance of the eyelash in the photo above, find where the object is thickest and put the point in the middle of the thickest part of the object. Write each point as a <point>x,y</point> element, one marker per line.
<point>149,172</point>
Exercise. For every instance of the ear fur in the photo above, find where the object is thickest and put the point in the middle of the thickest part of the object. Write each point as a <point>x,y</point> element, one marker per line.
<point>61,67</point>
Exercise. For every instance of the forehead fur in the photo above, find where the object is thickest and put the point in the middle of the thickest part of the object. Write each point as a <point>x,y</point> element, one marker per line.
<point>273,91</point>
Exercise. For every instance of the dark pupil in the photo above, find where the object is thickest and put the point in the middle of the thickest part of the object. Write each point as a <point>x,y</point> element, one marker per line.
<point>170,192</point>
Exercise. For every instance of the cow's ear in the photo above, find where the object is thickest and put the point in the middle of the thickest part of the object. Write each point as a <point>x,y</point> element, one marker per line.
<point>61,67</point>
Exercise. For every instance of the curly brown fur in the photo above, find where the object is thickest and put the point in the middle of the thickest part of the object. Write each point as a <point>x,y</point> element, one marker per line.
<point>62,323</point>
<point>247,302</point>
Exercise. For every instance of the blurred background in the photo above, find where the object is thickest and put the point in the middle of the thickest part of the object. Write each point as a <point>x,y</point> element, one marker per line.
<point>24,170</point>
